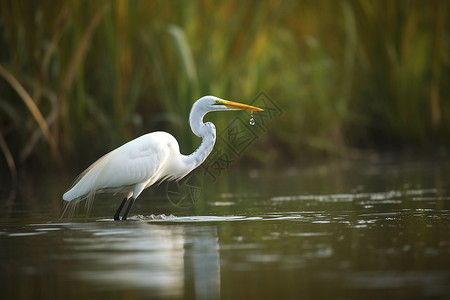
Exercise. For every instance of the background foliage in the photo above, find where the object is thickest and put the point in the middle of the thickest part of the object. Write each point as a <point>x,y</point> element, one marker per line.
<point>78,78</point>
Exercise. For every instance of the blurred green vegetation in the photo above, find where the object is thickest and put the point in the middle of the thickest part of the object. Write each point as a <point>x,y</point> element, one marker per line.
<point>78,78</point>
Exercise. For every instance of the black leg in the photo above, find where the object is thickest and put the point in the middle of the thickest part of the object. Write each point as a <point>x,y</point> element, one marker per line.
<point>128,209</point>
<point>116,215</point>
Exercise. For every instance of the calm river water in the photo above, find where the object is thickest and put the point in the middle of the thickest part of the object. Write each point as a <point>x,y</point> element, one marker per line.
<point>346,230</point>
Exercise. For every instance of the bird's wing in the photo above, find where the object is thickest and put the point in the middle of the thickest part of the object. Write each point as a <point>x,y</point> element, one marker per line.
<point>137,161</point>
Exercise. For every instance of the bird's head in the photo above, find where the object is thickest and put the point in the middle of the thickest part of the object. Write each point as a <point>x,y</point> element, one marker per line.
<point>211,103</point>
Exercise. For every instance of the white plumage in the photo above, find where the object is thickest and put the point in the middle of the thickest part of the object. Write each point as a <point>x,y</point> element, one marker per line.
<point>134,162</point>
<point>150,158</point>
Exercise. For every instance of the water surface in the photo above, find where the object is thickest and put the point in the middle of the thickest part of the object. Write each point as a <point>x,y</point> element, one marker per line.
<point>338,231</point>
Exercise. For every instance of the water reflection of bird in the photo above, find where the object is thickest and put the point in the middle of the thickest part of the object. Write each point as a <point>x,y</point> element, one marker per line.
<point>150,158</point>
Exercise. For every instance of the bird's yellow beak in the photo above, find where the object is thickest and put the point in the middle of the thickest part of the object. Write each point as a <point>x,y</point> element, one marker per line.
<point>235,105</point>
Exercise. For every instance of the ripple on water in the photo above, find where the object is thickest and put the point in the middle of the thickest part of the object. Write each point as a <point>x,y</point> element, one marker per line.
<point>18,234</point>
<point>387,197</point>
<point>210,219</point>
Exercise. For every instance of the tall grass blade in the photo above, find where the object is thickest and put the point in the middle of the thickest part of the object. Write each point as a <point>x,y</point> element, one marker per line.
<point>15,84</point>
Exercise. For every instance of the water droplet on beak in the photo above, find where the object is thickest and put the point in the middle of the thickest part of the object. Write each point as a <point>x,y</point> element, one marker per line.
<point>252,120</point>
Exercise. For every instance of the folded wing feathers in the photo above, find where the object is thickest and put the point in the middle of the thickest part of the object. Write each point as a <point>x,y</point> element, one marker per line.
<point>144,160</point>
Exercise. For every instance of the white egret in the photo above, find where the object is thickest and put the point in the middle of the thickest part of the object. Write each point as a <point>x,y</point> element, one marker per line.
<point>150,158</point>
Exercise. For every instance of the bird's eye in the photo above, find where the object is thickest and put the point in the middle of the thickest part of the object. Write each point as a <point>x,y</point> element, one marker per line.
<point>216,102</point>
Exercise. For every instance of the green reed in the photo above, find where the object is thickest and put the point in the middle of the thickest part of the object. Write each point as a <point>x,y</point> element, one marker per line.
<point>348,74</point>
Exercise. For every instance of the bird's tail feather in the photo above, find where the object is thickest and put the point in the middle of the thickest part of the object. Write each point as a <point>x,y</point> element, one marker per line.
<point>85,186</point>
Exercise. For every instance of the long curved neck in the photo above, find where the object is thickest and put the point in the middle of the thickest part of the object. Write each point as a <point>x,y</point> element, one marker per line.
<point>207,132</point>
